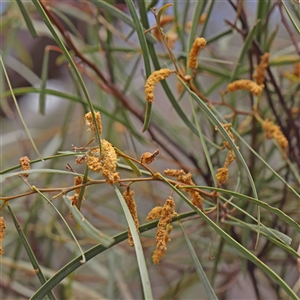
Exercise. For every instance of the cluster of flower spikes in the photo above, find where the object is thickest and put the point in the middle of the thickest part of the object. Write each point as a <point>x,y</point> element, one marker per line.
<point>162,74</point>
<point>107,161</point>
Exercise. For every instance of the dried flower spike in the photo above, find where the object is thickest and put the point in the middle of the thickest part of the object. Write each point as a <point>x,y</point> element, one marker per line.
<point>199,44</point>
<point>77,181</point>
<point>148,158</point>
<point>152,80</point>
<point>273,131</point>
<point>89,121</point>
<point>259,76</point>
<point>167,212</point>
<point>25,164</point>
<point>245,84</point>
<point>2,234</point>
<point>128,196</point>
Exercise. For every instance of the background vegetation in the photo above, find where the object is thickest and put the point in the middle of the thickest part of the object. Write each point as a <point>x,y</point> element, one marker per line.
<point>60,60</point>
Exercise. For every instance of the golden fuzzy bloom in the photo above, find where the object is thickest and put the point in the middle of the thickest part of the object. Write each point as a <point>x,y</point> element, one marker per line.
<point>148,158</point>
<point>90,122</point>
<point>173,172</point>
<point>25,164</point>
<point>166,19</point>
<point>152,80</point>
<point>273,131</point>
<point>245,84</point>
<point>109,156</point>
<point>93,160</point>
<point>199,44</point>
<point>128,196</point>
<point>77,181</point>
<point>222,175</point>
<point>259,76</point>
<point>107,163</point>
<point>2,234</point>
<point>167,213</point>
<point>155,213</point>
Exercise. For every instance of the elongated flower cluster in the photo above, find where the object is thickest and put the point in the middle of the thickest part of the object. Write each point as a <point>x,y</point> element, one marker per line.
<point>222,174</point>
<point>165,214</point>
<point>199,44</point>
<point>128,196</point>
<point>2,234</point>
<point>245,84</point>
<point>259,76</point>
<point>89,121</point>
<point>25,164</point>
<point>107,163</point>
<point>152,80</point>
<point>181,176</point>
<point>148,158</point>
<point>273,131</point>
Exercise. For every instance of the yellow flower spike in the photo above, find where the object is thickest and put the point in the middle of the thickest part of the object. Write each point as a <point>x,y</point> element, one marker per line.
<point>152,80</point>
<point>167,212</point>
<point>199,44</point>
<point>128,196</point>
<point>259,76</point>
<point>273,131</point>
<point>245,84</point>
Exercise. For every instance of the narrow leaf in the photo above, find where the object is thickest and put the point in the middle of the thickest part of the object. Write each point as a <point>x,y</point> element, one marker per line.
<point>202,276</point>
<point>30,253</point>
<point>42,97</point>
<point>27,19</point>
<point>138,247</point>
<point>86,226</point>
